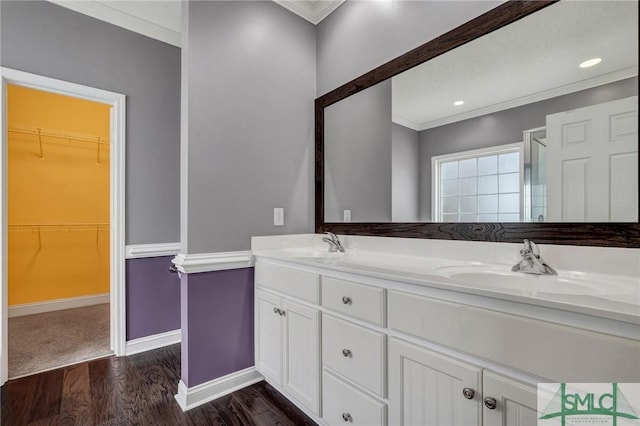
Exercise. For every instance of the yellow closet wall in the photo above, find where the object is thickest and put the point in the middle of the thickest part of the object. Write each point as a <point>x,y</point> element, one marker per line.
<point>67,185</point>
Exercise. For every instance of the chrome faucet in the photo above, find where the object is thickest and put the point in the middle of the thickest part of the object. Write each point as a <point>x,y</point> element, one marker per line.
<point>334,242</point>
<point>531,262</point>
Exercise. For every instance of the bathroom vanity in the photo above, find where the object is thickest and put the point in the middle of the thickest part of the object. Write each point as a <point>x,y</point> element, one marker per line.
<point>401,331</point>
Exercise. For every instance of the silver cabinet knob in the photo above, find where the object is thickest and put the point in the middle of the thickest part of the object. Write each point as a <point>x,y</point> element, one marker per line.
<point>347,417</point>
<point>468,393</point>
<point>173,269</point>
<point>490,403</point>
<point>346,300</point>
<point>346,353</point>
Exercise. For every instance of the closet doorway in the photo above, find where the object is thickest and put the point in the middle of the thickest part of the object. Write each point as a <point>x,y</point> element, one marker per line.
<point>62,224</point>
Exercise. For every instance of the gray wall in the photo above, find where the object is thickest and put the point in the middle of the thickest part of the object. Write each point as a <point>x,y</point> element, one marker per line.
<point>358,156</point>
<point>405,174</point>
<point>46,39</point>
<point>504,127</point>
<point>249,111</point>
<point>361,35</point>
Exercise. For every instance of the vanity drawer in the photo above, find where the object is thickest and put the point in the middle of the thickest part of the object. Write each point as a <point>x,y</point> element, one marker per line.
<point>294,282</point>
<point>342,404</point>
<point>354,352</point>
<point>358,300</point>
<point>557,352</point>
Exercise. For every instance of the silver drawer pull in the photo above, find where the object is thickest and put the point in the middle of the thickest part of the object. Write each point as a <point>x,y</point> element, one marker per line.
<point>347,417</point>
<point>468,393</point>
<point>490,403</point>
<point>346,353</point>
<point>346,300</point>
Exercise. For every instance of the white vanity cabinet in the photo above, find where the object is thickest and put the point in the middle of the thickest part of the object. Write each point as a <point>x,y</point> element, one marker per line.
<point>287,341</point>
<point>393,352</point>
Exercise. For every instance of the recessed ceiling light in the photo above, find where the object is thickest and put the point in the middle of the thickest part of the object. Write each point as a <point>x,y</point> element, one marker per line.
<point>458,103</point>
<point>590,62</point>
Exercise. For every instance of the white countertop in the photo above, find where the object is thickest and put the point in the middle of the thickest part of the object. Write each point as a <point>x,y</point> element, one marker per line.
<point>604,295</point>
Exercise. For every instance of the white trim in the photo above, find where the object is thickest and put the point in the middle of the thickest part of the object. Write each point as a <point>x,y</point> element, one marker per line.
<point>207,262</point>
<point>117,199</point>
<point>103,12</point>
<point>312,11</point>
<point>154,341</point>
<point>138,251</point>
<point>57,305</point>
<point>513,103</point>
<point>189,398</point>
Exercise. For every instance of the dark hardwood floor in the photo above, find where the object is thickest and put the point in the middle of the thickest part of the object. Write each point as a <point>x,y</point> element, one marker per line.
<point>135,390</point>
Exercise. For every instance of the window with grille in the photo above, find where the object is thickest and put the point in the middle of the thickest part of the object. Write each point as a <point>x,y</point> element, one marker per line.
<point>478,186</point>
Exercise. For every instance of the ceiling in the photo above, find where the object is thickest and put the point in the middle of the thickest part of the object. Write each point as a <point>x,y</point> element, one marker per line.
<point>161,19</point>
<point>533,59</point>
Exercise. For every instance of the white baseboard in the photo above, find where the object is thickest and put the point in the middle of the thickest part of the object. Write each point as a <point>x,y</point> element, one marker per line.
<point>154,341</point>
<point>57,305</point>
<point>189,398</point>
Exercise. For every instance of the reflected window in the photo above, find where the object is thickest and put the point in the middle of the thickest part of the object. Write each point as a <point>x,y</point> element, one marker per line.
<point>479,186</point>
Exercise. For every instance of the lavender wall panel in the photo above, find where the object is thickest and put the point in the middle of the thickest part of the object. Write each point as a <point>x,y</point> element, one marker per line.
<point>217,324</point>
<point>153,297</point>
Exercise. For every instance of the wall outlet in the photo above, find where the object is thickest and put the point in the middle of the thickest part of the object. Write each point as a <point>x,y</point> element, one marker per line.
<point>346,216</point>
<point>278,216</point>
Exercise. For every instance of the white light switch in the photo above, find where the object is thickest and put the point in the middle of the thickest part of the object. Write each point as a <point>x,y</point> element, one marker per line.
<point>278,216</point>
<point>346,216</point>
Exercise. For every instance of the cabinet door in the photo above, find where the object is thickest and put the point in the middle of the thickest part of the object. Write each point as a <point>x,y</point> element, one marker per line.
<point>515,402</point>
<point>426,388</point>
<point>301,377</point>
<point>268,340</point>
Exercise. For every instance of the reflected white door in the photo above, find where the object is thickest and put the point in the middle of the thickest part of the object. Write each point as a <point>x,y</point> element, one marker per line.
<point>592,163</point>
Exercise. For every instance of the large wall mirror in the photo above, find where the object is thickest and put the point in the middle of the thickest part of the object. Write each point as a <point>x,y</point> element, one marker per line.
<point>522,123</point>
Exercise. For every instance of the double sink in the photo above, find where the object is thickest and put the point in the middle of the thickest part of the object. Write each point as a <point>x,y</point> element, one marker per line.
<point>612,292</point>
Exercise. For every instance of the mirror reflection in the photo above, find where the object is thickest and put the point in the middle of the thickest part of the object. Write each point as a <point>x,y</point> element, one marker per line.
<point>517,125</point>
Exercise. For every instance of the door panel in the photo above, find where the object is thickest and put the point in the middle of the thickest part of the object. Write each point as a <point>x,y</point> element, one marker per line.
<point>516,402</point>
<point>426,388</point>
<point>301,354</point>
<point>268,331</point>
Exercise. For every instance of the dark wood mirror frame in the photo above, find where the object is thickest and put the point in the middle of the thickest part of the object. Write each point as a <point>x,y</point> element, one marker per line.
<point>589,234</point>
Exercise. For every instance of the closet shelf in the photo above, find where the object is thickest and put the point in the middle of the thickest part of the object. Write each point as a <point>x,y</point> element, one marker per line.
<point>61,227</point>
<point>53,133</point>
<point>39,132</point>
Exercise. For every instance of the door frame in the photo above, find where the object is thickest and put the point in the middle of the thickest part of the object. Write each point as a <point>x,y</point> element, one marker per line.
<point>117,199</point>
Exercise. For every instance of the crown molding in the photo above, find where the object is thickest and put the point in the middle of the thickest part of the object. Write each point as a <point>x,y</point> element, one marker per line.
<point>312,11</point>
<point>525,100</point>
<point>103,12</point>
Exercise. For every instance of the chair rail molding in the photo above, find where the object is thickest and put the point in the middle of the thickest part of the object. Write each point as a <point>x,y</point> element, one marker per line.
<point>139,251</point>
<point>209,262</point>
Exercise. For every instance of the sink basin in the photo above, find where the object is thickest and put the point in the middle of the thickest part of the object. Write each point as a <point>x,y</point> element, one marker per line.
<point>318,255</point>
<point>503,279</point>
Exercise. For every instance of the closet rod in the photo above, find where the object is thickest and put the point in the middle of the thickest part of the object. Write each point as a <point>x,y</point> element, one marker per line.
<point>39,131</point>
<point>60,227</point>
